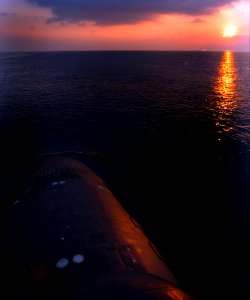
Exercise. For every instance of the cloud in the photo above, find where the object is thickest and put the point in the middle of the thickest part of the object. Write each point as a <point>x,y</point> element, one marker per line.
<point>5,14</point>
<point>198,20</point>
<point>107,12</point>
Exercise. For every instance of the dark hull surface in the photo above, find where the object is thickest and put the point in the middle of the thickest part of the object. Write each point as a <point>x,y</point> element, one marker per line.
<point>67,237</point>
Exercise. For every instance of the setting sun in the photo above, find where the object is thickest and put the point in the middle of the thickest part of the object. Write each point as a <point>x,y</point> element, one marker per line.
<point>230,31</point>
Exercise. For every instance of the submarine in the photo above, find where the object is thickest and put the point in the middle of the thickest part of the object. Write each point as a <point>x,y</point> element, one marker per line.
<point>68,237</point>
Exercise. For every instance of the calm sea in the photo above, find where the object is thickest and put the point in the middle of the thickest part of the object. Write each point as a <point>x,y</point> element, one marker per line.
<point>168,131</point>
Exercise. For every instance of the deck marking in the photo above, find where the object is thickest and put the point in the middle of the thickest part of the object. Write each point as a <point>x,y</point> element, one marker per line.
<point>78,258</point>
<point>62,263</point>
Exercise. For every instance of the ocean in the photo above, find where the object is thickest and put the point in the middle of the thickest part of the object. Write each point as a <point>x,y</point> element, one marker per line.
<point>169,132</point>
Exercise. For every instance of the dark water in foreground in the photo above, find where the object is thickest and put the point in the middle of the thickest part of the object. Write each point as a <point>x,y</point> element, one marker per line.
<point>168,131</point>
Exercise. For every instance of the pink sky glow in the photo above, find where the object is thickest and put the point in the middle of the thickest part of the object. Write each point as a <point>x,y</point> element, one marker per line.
<point>26,26</point>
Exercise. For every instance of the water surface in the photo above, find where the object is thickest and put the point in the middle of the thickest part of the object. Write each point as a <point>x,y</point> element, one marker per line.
<point>168,131</point>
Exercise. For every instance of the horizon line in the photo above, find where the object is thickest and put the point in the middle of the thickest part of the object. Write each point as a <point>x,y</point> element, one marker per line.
<point>122,50</point>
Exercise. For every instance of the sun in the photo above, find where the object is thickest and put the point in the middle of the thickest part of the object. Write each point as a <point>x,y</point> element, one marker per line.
<point>230,31</point>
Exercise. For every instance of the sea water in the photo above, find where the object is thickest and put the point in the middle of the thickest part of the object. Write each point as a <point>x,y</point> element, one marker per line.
<point>169,132</point>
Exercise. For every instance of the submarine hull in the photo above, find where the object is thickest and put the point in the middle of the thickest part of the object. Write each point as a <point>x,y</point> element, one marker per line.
<point>68,237</point>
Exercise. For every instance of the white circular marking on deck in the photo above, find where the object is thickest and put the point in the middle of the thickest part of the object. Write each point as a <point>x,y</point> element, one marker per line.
<point>62,263</point>
<point>58,182</point>
<point>78,258</point>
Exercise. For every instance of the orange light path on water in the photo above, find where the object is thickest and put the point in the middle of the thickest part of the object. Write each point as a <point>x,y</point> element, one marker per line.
<point>226,92</point>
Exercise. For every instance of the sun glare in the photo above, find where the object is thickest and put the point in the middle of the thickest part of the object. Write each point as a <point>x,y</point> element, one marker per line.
<point>230,31</point>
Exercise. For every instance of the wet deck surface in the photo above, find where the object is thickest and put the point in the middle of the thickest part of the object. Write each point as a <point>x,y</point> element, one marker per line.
<point>66,231</point>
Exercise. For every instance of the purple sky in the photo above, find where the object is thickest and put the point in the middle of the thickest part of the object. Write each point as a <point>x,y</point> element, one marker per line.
<point>128,24</point>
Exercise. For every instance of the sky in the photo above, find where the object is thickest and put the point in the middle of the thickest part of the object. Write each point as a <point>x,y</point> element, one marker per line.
<point>75,25</point>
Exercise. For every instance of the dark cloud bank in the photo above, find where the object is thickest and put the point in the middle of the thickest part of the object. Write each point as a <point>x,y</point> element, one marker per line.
<point>124,11</point>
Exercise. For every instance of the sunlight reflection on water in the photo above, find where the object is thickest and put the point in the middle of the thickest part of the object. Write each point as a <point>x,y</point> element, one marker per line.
<point>226,92</point>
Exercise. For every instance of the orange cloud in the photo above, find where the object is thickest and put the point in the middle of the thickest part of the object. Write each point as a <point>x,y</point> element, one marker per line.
<point>164,32</point>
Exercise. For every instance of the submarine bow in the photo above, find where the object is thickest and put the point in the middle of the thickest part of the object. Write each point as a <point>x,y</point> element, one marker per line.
<point>68,237</point>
